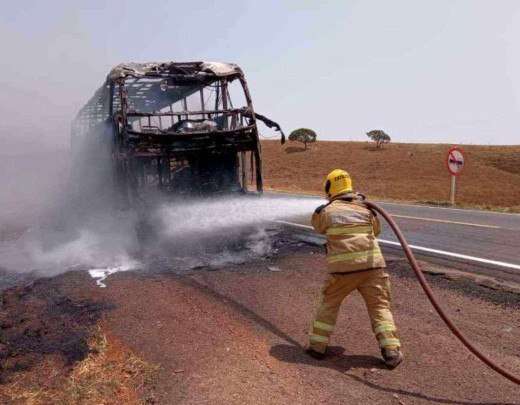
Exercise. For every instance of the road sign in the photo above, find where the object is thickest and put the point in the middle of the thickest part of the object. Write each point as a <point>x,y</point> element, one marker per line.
<point>455,160</point>
<point>455,164</point>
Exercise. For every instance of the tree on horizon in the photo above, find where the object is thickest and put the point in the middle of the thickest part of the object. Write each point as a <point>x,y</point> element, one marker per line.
<point>379,136</point>
<point>303,135</point>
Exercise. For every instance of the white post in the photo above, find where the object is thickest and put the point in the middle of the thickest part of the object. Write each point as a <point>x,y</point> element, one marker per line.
<point>453,189</point>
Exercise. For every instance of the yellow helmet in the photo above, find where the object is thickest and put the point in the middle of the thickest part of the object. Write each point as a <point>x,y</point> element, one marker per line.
<point>338,182</point>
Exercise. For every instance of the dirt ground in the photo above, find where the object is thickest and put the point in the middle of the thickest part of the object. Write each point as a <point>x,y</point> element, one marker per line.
<point>410,172</point>
<point>235,336</point>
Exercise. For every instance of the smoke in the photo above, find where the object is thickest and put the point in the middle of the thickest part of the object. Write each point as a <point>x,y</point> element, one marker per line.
<point>59,212</point>
<point>51,222</point>
<point>54,219</point>
<point>64,239</point>
<point>43,85</point>
<point>93,234</point>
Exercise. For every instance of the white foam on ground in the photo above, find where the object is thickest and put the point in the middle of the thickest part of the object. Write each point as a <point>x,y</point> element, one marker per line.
<point>101,275</point>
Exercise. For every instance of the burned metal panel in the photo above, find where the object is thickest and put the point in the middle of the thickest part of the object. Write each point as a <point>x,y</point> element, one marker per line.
<point>184,70</point>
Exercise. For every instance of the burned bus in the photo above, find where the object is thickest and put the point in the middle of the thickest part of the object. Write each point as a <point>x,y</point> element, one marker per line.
<point>179,128</point>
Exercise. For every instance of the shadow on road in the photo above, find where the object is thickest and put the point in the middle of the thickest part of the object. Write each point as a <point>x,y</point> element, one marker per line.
<point>336,359</point>
<point>293,352</point>
<point>340,362</point>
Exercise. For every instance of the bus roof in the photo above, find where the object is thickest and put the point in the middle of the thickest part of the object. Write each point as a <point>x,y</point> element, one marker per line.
<point>198,70</point>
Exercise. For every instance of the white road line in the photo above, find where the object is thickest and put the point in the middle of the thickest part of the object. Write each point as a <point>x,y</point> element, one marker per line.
<point>455,255</point>
<point>434,207</point>
<point>430,250</point>
<point>446,221</point>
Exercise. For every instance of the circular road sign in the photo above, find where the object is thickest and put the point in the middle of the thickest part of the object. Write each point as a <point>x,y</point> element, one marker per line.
<point>455,160</point>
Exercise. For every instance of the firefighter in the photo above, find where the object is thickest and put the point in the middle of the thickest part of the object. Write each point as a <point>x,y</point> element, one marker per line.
<point>354,262</point>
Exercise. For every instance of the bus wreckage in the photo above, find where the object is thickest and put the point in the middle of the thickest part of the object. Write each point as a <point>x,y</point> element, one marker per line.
<point>181,128</point>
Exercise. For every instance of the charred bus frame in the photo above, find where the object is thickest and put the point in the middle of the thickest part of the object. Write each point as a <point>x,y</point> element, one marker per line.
<point>158,138</point>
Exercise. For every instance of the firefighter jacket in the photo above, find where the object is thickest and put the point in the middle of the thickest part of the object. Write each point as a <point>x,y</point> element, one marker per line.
<point>351,231</point>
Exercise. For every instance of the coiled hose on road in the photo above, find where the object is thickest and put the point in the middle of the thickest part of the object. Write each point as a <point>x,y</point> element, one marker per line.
<point>427,289</point>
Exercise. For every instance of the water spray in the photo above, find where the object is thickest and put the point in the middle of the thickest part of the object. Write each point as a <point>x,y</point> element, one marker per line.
<point>429,293</point>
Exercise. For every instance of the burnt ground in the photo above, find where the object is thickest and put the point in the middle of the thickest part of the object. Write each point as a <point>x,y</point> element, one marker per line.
<point>235,335</point>
<point>45,317</point>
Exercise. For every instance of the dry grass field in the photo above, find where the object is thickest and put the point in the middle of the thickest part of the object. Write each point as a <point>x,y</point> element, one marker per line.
<point>408,172</point>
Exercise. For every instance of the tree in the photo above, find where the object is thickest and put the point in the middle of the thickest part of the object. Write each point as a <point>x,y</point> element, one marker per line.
<point>379,136</point>
<point>303,135</point>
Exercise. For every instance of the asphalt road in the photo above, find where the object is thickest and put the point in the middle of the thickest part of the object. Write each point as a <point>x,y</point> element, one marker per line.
<point>478,241</point>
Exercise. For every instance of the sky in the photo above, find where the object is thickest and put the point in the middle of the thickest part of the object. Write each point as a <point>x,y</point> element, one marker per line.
<point>438,71</point>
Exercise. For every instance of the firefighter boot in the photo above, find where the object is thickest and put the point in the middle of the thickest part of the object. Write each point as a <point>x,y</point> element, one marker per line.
<point>392,356</point>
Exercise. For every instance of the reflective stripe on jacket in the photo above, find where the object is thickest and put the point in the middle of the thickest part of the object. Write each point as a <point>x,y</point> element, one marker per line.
<point>351,231</point>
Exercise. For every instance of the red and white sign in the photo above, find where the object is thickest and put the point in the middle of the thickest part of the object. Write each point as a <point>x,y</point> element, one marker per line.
<point>455,160</point>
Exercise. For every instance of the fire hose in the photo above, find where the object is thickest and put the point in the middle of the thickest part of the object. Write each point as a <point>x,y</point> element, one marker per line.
<point>427,289</point>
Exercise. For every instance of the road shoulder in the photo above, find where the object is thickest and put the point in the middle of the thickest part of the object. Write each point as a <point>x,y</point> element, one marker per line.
<point>235,336</point>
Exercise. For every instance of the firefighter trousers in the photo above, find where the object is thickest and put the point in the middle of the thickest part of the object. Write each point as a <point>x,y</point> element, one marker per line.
<point>374,287</point>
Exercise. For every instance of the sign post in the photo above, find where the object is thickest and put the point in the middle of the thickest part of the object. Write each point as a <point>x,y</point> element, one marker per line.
<point>453,189</point>
<point>455,164</point>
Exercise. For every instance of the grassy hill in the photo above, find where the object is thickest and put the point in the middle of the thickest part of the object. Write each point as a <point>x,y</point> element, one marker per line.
<point>409,172</point>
